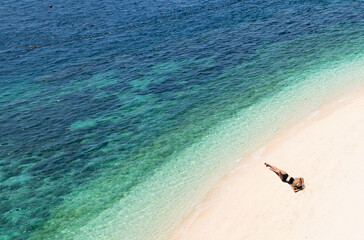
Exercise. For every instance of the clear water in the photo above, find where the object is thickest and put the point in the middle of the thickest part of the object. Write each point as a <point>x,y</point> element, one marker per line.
<point>116,117</point>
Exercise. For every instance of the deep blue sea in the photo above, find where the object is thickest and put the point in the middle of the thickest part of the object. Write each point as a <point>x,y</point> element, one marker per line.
<point>116,117</point>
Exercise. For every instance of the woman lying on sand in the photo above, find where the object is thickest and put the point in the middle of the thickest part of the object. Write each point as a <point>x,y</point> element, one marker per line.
<point>296,183</point>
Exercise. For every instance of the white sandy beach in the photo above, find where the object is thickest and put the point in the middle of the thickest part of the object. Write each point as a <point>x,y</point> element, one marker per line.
<point>327,150</point>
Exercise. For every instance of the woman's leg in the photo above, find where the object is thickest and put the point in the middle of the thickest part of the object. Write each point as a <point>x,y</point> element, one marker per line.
<point>276,170</point>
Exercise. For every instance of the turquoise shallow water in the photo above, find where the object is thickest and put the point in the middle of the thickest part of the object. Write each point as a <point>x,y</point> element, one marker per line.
<point>102,137</point>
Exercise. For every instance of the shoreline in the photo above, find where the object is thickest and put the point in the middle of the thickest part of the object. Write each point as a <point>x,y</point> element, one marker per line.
<point>252,203</point>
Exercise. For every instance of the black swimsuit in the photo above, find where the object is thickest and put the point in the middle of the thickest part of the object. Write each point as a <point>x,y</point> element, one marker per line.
<point>286,177</point>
